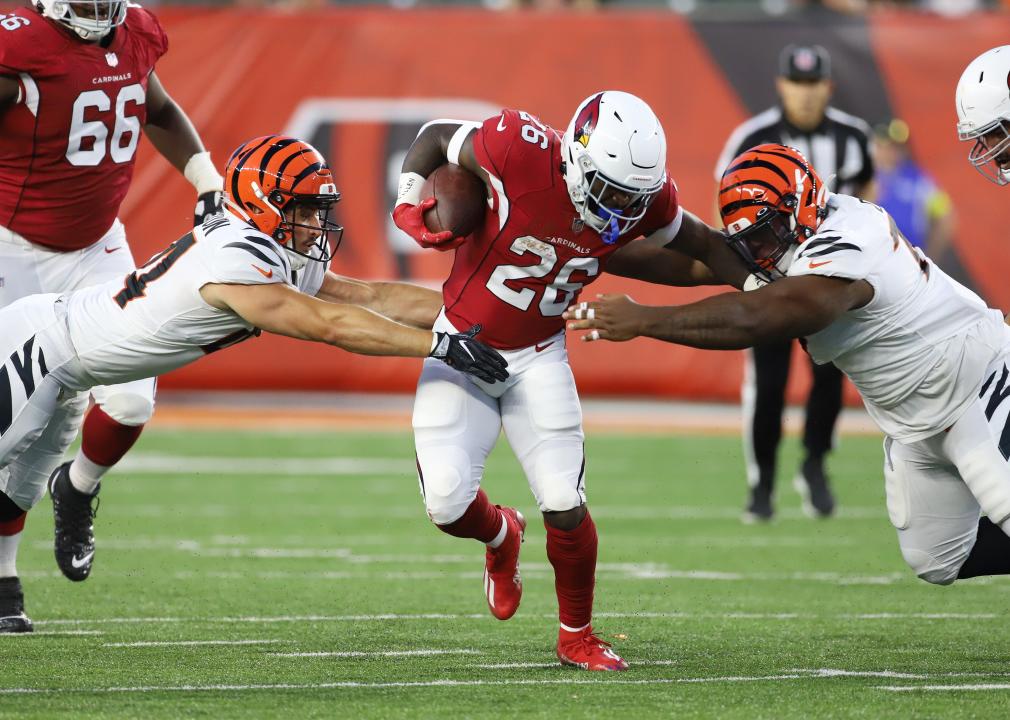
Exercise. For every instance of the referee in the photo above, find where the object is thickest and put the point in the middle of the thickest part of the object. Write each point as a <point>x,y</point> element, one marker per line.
<point>837,145</point>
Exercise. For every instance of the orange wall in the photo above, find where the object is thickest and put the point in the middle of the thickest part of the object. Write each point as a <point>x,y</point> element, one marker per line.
<point>243,73</point>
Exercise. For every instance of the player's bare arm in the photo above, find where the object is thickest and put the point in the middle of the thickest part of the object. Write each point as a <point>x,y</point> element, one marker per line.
<point>168,127</point>
<point>283,310</point>
<point>173,135</point>
<point>650,260</point>
<point>403,302</point>
<point>708,245</point>
<point>8,91</point>
<point>788,308</point>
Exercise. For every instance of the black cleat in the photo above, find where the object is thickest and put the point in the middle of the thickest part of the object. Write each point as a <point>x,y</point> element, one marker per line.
<point>813,486</point>
<point>75,532</point>
<point>12,607</point>
<point>759,506</point>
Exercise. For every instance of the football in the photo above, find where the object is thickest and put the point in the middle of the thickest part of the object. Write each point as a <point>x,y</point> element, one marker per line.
<point>461,200</point>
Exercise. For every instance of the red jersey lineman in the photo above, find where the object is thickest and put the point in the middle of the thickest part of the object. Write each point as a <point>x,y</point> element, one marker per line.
<point>77,87</point>
<point>561,207</point>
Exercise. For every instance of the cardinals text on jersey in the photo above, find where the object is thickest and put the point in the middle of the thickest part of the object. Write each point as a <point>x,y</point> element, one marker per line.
<point>532,257</point>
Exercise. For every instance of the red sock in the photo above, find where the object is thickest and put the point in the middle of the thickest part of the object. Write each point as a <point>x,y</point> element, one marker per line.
<point>13,527</point>
<point>105,441</point>
<point>481,521</point>
<point>573,555</point>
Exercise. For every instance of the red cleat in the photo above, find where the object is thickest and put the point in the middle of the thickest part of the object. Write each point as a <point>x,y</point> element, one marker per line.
<point>502,583</point>
<point>584,650</point>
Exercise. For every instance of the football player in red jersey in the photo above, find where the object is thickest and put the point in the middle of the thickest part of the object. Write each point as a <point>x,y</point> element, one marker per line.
<point>563,208</point>
<point>77,86</point>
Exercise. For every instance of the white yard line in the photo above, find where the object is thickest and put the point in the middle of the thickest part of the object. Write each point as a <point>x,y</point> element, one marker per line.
<point>573,680</point>
<point>189,643</point>
<point>392,617</point>
<point>530,666</point>
<point>141,463</point>
<point>59,633</point>
<point>423,652</point>
<point>944,688</point>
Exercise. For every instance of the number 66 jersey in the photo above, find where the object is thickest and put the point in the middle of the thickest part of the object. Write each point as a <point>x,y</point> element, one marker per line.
<point>532,256</point>
<point>68,144</point>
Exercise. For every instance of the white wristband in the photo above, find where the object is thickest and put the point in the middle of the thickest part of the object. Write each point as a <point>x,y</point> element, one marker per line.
<point>409,189</point>
<point>434,342</point>
<point>753,282</point>
<point>202,174</point>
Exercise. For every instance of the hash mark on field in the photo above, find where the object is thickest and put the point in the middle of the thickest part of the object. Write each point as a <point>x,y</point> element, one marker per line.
<point>381,653</point>
<point>188,643</point>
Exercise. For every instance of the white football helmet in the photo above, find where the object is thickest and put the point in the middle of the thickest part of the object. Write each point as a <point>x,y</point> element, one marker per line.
<point>90,19</point>
<point>614,154</point>
<point>983,113</point>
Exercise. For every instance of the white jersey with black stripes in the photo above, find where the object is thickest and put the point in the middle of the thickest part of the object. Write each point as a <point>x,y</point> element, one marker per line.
<point>918,350</point>
<point>155,320</point>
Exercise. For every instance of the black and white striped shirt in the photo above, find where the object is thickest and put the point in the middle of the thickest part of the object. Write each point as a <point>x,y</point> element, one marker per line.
<point>838,148</point>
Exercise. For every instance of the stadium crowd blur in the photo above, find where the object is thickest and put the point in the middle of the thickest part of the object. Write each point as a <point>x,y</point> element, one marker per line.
<point>704,8</point>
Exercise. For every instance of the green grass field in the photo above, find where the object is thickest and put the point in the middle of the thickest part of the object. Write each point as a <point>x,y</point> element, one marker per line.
<point>267,575</point>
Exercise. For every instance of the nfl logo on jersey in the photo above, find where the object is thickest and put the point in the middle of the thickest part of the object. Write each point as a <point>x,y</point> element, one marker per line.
<point>110,57</point>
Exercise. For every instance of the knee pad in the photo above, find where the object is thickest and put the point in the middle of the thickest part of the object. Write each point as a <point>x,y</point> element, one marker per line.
<point>928,568</point>
<point>447,483</point>
<point>558,476</point>
<point>128,408</point>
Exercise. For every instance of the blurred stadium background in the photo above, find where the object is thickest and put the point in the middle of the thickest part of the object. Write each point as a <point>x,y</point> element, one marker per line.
<point>276,552</point>
<point>359,80</point>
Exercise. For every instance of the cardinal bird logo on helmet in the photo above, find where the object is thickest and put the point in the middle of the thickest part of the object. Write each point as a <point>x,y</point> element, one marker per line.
<point>587,119</point>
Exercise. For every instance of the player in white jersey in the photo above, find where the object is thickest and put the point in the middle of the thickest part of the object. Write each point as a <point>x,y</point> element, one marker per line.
<point>929,358</point>
<point>250,269</point>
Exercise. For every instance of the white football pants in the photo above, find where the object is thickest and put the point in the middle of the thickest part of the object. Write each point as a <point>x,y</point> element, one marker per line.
<point>457,421</point>
<point>29,269</point>
<point>39,415</point>
<point>938,487</point>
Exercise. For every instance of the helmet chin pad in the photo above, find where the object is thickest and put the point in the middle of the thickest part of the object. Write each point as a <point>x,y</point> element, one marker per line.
<point>91,20</point>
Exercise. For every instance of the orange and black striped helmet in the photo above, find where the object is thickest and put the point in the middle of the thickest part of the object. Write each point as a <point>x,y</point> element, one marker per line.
<point>770,200</point>
<point>268,176</point>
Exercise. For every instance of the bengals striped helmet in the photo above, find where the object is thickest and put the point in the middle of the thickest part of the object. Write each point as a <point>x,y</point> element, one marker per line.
<point>271,181</point>
<point>770,200</point>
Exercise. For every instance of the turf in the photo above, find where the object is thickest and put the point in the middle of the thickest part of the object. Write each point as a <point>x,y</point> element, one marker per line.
<point>276,549</point>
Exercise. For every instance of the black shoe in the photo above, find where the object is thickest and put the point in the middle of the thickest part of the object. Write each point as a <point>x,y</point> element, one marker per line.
<point>74,517</point>
<point>812,485</point>
<point>759,506</point>
<point>12,607</point>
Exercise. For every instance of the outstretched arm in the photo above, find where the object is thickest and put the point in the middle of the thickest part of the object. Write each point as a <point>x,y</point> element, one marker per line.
<point>708,245</point>
<point>788,308</point>
<point>652,261</point>
<point>403,302</point>
<point>281,309</point>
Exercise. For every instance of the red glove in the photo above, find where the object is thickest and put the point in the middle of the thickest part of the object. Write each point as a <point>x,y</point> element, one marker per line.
<point>410,219</point>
